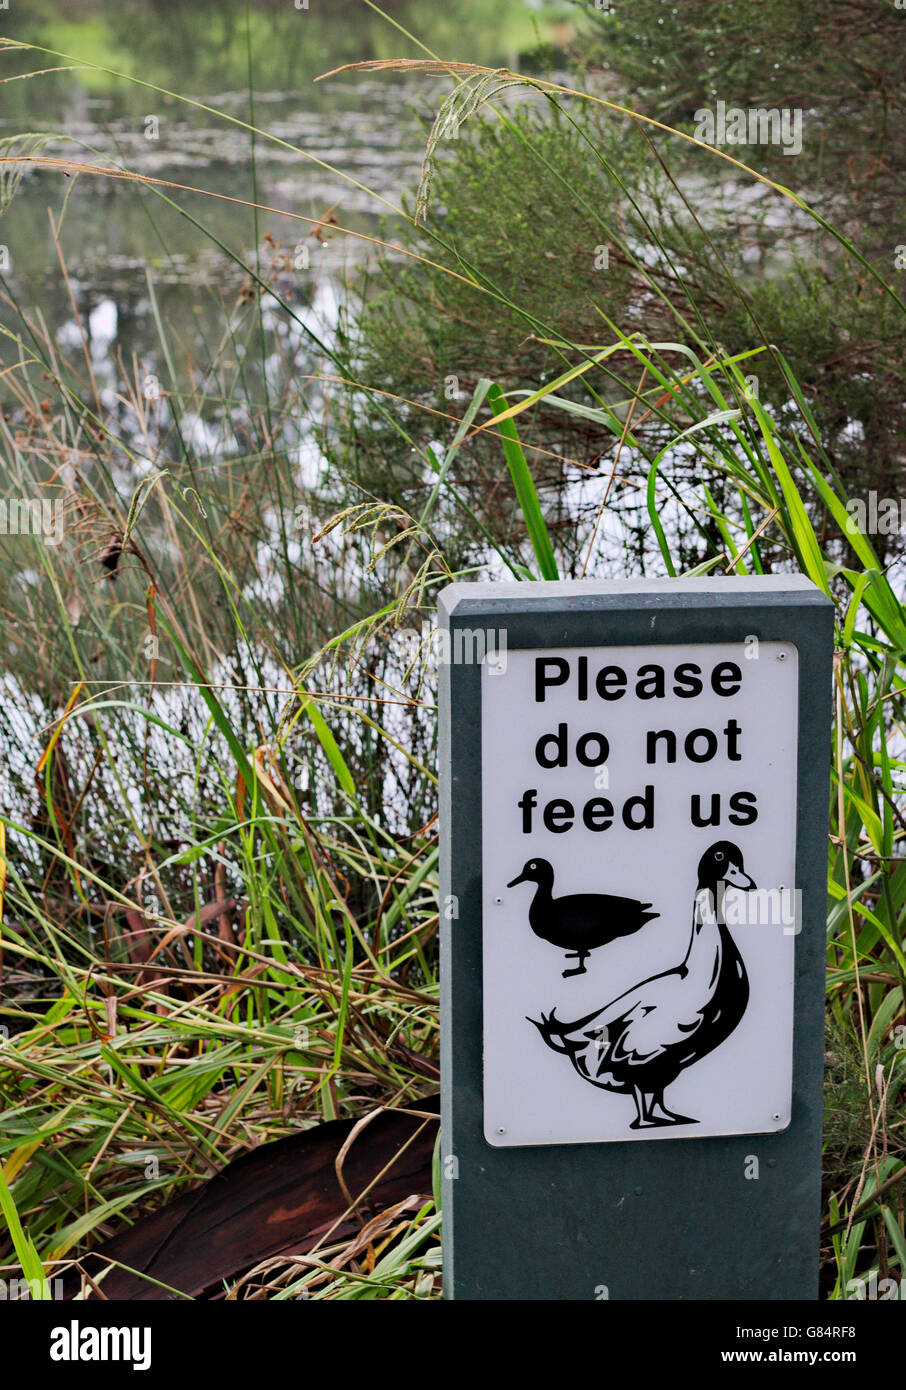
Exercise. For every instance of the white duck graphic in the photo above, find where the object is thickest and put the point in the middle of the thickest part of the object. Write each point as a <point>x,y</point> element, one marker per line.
<point>640,1042</point>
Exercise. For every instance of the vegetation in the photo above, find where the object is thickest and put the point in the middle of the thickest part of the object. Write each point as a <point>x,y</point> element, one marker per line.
<point>219,845</point>
<point>731,260</point>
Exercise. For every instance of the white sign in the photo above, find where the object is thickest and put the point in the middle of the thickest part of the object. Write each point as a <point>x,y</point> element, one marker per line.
<point>640,912</point>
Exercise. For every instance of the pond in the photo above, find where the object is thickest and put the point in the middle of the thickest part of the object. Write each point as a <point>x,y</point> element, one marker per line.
<point>344,149</point>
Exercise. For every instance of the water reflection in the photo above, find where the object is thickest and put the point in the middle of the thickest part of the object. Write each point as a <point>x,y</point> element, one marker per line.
<point>111,232</point>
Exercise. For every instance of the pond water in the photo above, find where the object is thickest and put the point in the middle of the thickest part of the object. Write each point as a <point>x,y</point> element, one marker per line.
<point>348,143</point>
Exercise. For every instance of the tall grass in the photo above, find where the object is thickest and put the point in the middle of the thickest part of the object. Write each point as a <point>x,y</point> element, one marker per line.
<point>219,906</point>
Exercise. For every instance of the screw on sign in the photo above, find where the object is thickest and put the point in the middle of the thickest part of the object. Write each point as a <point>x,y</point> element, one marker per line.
<point>631,987</point>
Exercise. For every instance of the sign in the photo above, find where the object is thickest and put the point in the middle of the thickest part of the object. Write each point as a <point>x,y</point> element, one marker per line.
<point>634,786</point>
<point>639,850</point>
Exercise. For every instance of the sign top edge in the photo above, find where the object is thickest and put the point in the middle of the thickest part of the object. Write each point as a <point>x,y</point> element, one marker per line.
<point>515,595</point>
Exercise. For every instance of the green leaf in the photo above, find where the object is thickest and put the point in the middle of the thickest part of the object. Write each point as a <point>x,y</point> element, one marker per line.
<point>524,484</point>
<point>803,535</point>
<point>32,1267</point>
<point>330,746</point>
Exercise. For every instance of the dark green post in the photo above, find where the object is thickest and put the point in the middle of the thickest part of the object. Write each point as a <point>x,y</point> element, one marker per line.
<point>563,1179</point>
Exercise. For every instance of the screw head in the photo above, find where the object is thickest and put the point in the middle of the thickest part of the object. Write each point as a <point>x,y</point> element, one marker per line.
<point>501,1129</point>
<point>781,656</point>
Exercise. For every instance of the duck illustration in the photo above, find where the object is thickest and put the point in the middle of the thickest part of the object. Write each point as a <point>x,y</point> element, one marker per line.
<point>581,921</point>
<point>640,1042</point>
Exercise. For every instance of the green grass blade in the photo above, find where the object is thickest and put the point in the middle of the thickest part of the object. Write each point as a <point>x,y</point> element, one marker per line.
<point>524,484</point>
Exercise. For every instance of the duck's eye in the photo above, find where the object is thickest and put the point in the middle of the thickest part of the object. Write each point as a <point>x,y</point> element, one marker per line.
<point>719,857</point>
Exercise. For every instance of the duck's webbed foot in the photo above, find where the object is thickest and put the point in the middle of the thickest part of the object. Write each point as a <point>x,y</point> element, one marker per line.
<point>581,957</point>
<point>662,1116</point>
<point>644,1103</point>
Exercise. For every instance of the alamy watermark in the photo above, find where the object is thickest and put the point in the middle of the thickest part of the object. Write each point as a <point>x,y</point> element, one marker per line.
<point>32,516</point>
<point>461,647</point>
<point>753,125</point>
<point>762,907</point>
<point>876,516</point>
<point>875,1289</point>
<point>28,1290</point>
<point>91,1343</point>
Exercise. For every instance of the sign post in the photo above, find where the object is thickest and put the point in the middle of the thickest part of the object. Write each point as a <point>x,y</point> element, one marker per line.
<point>634,794</point>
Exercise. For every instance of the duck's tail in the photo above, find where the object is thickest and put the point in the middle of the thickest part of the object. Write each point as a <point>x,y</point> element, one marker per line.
<point>558,1035</point>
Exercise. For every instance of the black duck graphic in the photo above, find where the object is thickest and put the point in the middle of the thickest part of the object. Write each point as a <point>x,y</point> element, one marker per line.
<point>640,1042</point>
<point>581,921</point>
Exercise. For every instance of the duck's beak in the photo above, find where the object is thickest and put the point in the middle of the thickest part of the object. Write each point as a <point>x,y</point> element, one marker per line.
<point>738,878</point>
<point>520,879</point>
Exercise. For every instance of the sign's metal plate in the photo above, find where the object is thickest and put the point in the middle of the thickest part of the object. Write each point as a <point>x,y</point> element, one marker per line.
<point>602,1020</point>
